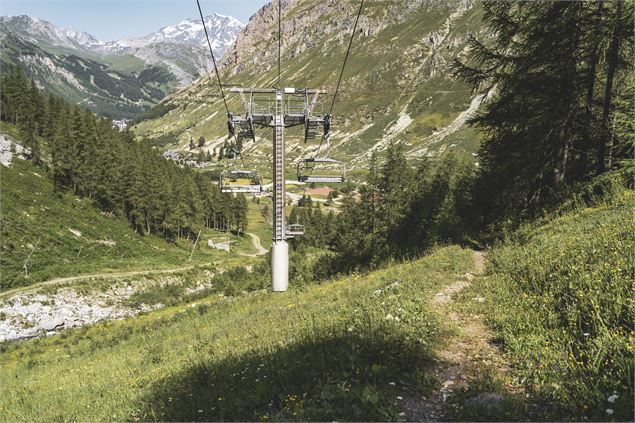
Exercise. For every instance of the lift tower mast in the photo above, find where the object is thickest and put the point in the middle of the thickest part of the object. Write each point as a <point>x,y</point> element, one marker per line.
<point>289,107</point>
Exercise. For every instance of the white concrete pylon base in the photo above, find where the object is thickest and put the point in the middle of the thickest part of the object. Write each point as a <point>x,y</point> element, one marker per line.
<point>279,266</point>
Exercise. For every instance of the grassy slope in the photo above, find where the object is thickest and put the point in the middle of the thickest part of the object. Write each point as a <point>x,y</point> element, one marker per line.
<point>560,298</point>
<point>32,210</point>
<point>332,351</point>
<point>324,352</point>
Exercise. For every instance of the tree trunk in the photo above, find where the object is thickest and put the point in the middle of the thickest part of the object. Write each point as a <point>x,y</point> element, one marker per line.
<point>609,159</point>
<point>590,85</point>
<point>608,90</point>
<point>564,143</point>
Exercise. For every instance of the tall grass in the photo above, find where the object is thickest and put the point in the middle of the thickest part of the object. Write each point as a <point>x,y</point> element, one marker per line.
<point>561,299</point>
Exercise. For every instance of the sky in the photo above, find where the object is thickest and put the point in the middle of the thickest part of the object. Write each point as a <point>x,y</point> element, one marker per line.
<point>115,19</point>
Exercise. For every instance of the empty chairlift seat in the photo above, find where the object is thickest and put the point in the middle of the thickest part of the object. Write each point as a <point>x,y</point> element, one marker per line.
<point>294,229</point>
<point>311,127</point>
<point>320,170</point>
<point>236,181</point>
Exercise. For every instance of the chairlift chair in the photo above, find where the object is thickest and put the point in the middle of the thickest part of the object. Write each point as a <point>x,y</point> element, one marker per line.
<point>311,124</point>
<point>236,181</point>
<point>294,229</point>
<point>320,170</point>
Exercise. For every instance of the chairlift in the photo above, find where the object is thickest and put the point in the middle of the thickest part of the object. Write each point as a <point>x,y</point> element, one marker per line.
<point>311,124</point>
<point>231,152</point>
<point>236,181</point>
<point>241,126</point>
<point>320,170</point>
<point>294,229</point>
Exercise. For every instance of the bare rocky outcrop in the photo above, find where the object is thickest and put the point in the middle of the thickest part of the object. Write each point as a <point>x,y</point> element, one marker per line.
<point>9,148</point>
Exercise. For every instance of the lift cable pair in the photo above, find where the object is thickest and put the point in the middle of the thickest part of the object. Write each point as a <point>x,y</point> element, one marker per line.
<point>310,163</point>
<point>233,181</point>
<point>285,107</point>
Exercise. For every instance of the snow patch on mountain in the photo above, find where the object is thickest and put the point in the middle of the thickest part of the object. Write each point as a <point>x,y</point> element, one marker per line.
<point>222,31</point>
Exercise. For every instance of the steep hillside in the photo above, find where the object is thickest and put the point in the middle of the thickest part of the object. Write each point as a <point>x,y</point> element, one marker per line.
<point>396,86</point>
<point>65,235</point>
<point>407,342</point>
<point>326,352</point>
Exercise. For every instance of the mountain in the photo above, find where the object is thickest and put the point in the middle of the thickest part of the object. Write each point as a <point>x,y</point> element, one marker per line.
<point>45,34</point>
<point>222,31</point>
<point>119,78</point>
<point>182,48</point>
<point>397,85</point>
<point>87,82</point>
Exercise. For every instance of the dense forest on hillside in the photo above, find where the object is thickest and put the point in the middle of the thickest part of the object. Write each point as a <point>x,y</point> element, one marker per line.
<point>84,154</point>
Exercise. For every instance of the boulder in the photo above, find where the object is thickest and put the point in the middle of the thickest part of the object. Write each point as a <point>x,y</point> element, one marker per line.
<point>50,323</point>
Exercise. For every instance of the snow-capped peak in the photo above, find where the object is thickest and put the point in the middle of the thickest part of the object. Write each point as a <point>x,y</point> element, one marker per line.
<point>222,31</point>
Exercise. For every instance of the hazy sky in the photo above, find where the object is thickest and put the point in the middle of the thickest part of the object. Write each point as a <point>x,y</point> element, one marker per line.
<point>114,19</point>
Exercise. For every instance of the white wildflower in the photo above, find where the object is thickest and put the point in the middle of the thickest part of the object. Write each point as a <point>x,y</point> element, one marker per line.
<point>609,411</point>
<point>399,397</point>
<point>613,397</point>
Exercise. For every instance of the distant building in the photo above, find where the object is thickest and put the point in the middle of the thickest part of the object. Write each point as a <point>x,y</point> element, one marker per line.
<point>120,124</point>
<point>219,245</point>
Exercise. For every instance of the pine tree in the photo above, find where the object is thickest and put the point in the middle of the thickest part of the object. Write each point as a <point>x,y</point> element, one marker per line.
<point>541,72</point>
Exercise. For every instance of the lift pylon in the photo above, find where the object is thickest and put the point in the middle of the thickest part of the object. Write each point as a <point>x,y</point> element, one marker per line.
<point>278,109</point>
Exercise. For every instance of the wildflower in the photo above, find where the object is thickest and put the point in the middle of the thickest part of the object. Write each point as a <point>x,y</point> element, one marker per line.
<point>377,291</point>
<point>402,414</point>
<point>399,397</point>
<point>609,411</point>
<point>200,411</point>
<point>613,397</point>
<point>391,383</point>
<point>390,317</point>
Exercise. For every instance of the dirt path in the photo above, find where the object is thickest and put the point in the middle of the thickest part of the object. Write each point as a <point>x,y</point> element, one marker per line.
<point>116,275</point>
<point>255,241</point>
<point>463,357</point>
